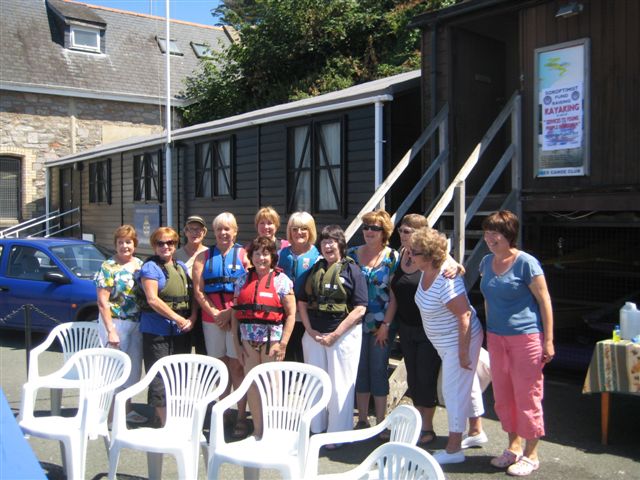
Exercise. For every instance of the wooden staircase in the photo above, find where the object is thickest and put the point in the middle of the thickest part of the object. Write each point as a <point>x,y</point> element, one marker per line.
<point>454,210</point>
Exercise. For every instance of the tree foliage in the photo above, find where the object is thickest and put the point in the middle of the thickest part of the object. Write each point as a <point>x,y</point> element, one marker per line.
<point>292,49</point>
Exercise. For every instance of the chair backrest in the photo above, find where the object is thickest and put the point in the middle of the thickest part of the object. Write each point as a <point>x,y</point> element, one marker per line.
<point>72,337</point>
<point>291,393</point>
<point>100,371</point>
<point>398,461</point>
<point>404,422</point>
<point>76,336</point>
<point>191,382</point>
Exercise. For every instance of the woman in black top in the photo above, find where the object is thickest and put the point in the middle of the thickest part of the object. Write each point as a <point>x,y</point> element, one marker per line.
<point>420,357</point>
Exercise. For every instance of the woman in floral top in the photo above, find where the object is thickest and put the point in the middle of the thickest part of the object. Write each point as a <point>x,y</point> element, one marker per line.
<point>119,314</point>
<point>378,262</point>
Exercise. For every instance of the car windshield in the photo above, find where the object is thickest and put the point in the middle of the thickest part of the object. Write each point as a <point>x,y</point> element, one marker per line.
<point>83,259</point>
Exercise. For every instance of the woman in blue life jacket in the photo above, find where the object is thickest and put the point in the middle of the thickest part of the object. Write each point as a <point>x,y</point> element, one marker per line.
<point>378,262</point>
<point>264,314</point>
<point>215,272</point>
<point>296,261</point>
<point>166,309</point>
<point>332,303</point>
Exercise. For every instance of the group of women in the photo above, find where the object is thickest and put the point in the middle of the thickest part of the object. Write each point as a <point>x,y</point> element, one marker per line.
<point>334,307</point>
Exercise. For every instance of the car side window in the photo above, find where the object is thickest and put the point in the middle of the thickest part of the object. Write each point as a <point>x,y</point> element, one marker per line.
<point>24,263</point>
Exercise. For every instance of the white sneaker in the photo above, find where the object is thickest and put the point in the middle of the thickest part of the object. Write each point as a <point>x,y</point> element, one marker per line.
<point>474,440</point>
<point>442,457</point>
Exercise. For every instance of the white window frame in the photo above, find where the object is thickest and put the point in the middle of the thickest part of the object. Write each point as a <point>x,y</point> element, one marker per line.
<point>84,29</point>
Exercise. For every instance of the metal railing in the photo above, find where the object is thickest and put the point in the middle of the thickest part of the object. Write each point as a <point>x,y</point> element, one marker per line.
<point>45,225</point>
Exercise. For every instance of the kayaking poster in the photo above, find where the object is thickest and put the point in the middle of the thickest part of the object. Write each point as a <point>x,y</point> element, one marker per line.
<point>561,121</point>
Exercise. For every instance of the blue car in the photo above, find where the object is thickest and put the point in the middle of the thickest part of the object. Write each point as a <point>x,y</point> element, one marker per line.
<point>53,275</point>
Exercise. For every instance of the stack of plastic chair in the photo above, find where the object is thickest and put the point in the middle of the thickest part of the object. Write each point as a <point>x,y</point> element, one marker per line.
<point>99,372</point>
<point>291,394</point>
<point>191,383</point>
<point>404,423</point>
<point>393,461</point>
<point>73,337</point>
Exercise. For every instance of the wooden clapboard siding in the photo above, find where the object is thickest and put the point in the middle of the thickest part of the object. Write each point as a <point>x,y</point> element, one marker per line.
<point>614,75</point>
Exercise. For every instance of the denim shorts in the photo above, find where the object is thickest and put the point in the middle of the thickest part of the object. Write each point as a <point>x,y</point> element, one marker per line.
<point>373,376</point>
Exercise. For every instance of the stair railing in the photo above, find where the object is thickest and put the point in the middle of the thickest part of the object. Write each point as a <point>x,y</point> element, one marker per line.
<point>49,225</point>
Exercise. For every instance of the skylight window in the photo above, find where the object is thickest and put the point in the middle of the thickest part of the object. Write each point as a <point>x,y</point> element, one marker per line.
<point>173,46</point>
<point>85,38</point>
<point>201,50</point>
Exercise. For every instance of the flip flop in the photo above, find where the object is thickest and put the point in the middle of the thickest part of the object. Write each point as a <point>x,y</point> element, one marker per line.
<point>423,443</point>
<point>385,435</point>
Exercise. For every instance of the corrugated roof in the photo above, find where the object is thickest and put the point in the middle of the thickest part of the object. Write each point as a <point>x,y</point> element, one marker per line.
<point>369,92</point>
<point>33,56</point>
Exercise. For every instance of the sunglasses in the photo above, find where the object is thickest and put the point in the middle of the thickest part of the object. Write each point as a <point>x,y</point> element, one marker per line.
<point>407,231</point>
<point>195,230</point>
<point>373,228</point>
<point>168,243</point>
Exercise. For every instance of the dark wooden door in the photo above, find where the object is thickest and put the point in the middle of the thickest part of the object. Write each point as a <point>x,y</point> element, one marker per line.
<point>479,74</point>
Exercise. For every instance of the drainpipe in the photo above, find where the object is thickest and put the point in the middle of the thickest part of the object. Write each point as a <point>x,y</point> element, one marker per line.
<point>47,194</point>
<point>169,173</point>
<point>378,139</point>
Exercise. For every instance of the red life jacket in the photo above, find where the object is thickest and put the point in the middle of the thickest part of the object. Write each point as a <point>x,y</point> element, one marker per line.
<point>258,300</point>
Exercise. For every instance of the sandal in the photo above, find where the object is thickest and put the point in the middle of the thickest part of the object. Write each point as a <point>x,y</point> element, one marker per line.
<point>333,446</point>
<point>241,429</point>
<point>523,467</point>
<point>505,460</point>
<point>432,437</point>
<point>362,424</point>
<point>385,435</point>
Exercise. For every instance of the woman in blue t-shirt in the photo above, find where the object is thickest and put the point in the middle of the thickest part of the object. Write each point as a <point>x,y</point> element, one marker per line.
<point>166,309</point>
<point>519,339</point>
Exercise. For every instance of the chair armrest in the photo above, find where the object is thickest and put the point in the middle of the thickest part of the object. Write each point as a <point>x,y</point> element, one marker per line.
<point>35,353</point>
<point>119,421</point>
<point>316,442</point>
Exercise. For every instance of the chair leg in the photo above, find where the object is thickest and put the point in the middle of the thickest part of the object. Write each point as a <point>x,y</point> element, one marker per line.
<point>74,458</point>
<point>56,401</point>
<point>251,473</point>
<point>186,467</point>
<point>114,457</point>
<point>154,464</point>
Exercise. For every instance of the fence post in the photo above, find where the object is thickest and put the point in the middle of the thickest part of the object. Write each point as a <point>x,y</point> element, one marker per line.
<point>27,333</point>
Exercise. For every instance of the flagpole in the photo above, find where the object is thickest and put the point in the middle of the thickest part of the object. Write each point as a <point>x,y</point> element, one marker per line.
<point>167,169</point>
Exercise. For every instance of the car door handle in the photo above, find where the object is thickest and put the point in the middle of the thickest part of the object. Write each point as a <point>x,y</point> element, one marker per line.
<point>4,289</point>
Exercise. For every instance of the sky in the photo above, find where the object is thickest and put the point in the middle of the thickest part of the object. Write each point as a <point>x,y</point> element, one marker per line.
<point>196,11</point>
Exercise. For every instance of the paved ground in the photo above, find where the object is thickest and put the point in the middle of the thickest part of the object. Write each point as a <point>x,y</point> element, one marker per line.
<point>571,449</point>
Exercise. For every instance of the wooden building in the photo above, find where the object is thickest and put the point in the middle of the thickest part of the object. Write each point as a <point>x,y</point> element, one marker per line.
<point>580,170</point>
<point>324,155</point>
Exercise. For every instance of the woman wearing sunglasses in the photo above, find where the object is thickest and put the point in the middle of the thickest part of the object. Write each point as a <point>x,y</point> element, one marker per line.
<point>377,261</point>
<point>166,309</point>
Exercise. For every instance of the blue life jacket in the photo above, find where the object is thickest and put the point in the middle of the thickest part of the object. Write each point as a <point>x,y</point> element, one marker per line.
<point>296,268</point>
<point>221,272</point>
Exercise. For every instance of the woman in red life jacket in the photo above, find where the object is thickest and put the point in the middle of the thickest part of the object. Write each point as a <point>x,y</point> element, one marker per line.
<point>264,315</point>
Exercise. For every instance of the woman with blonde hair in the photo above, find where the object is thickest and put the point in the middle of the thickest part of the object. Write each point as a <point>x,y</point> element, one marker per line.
<point>377,262</point>
<point>452,325</point>
<point>215,273</point>
<point>267,222</point>
<point>296,261</point>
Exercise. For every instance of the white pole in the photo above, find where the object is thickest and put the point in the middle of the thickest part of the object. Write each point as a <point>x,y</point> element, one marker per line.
<point>167,157</point>
<point>378,143</point>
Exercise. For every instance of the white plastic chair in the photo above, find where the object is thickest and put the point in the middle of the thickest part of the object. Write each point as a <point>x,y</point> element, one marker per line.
<point>73,337</point>
<point>291,394</point>
<point>393,461</point>
<point>191,383</point>
<point>404,423</point>
<point>99,372</point>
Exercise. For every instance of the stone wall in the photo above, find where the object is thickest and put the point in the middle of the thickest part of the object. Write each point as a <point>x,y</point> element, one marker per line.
<point>39,127</point>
